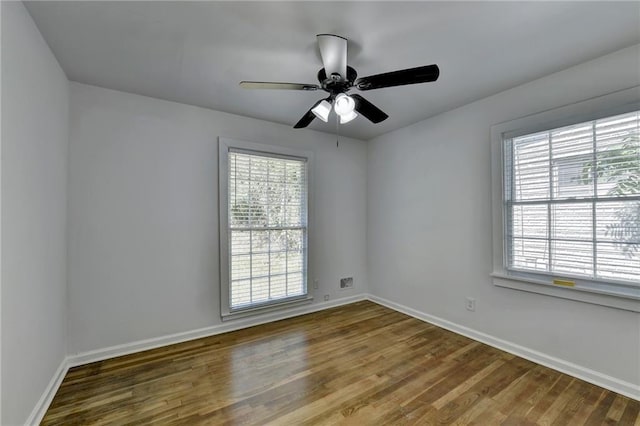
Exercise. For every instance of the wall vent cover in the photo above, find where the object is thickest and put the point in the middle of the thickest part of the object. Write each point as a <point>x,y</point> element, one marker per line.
<point>346,283</point>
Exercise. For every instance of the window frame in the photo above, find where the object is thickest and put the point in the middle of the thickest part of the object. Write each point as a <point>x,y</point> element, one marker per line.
<point>601,292</point>
<point>225,145</point>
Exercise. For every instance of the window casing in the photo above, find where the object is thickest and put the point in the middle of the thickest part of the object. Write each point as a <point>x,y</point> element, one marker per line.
<point>264,205</point>
<point>567,202</point>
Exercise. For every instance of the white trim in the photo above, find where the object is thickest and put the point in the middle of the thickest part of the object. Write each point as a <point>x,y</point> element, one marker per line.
<point>627,302</point>
<point>608,382</point>
<point>83,358</point>
<point>597,292</point>
<point>588,375</point>
<point>157,342</point>
<point>594,108</point>
<point>269,307</point>
<point>47,396</point>
<point>226,145</point>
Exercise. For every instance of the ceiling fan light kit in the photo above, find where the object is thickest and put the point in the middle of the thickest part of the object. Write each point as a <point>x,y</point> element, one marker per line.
<point>344,104</point>
<point>322,110</point>
<point>344,107</point>
<point>337,78</point>
<point>345,118</point>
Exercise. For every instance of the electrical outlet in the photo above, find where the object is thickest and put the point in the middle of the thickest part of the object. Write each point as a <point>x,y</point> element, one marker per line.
<point>326,297</point>
<point>315,284</point>
<point>346,283</point>
<point>471,304</point>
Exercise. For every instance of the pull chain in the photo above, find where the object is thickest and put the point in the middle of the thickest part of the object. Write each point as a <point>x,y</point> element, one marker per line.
<point>337,132</point>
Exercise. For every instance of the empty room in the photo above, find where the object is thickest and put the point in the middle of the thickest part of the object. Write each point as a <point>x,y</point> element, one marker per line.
<point>320,213</point>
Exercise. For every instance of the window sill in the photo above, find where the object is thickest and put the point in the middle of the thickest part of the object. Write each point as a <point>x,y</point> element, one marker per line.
<point>263,309</point>
<point>629,301</point>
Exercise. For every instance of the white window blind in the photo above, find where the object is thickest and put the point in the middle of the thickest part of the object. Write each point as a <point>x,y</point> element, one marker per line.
<point>267,228</point>
<point>572,200</point>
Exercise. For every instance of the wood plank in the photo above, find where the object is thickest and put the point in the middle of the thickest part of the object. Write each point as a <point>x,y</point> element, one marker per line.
<point>359,364</point>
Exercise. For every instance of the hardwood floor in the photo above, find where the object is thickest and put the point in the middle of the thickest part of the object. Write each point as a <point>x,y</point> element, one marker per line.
<point>357,364</point>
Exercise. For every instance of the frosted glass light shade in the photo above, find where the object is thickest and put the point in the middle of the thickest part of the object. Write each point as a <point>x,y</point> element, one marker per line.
<point>345,118</point>
<point>322,110</point>
<point>344,105</point>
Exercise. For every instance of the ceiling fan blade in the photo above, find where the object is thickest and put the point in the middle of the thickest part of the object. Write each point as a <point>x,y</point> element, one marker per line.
<point>369,110</point>
<point>416,75</point>
<point>277,86</point>
<point>333,50</point>
<point>307,118</point>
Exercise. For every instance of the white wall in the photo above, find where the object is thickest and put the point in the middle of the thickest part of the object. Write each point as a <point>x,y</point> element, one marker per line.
<point>409,216</point>
<point>143,214</point>
<point>429,225</point>
<point>35,107</point>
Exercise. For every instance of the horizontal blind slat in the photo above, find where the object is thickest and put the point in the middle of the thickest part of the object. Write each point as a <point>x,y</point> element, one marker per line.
<point>267,228</point>
<point>572,197</point>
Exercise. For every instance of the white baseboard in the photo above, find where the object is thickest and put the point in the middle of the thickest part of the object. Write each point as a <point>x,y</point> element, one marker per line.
<point>47,396</point>
<point>156,342</point>
<point>616,385</point>
<point>608,382</point>
<point>41,407</point>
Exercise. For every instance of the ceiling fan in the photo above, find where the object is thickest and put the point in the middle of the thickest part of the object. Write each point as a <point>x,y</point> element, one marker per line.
<point>337,79</point>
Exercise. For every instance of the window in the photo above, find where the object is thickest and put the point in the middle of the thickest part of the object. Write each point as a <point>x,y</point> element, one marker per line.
<point>570,207</point>
<point>264,216</point>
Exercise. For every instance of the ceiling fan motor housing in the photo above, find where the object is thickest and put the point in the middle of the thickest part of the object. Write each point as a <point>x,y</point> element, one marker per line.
<point>335,83</point>
<point>341,79</point>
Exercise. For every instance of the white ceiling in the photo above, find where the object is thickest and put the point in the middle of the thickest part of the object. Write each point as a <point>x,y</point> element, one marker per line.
<point>197,52</point>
